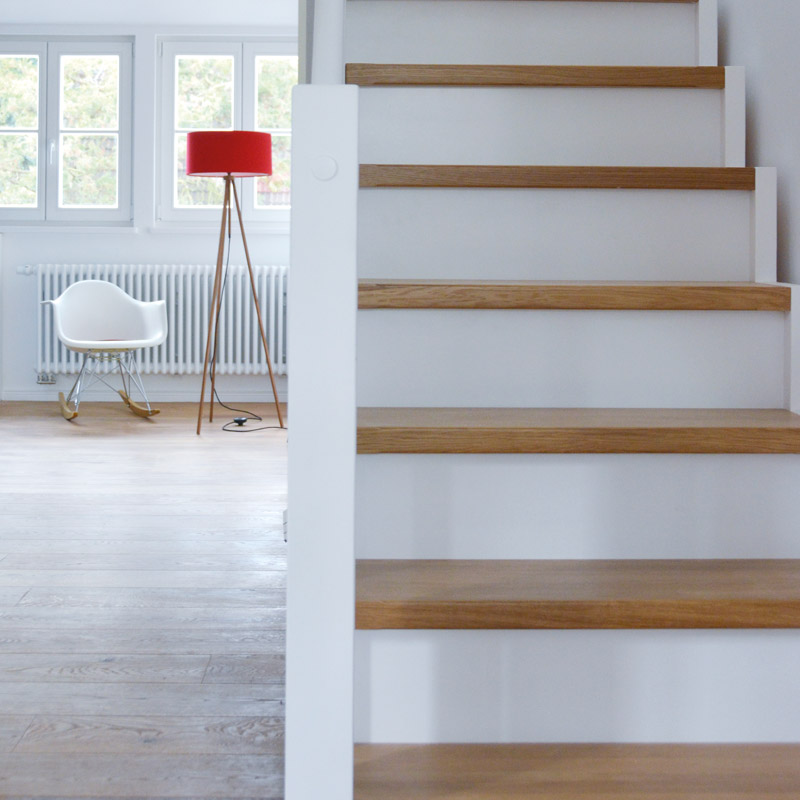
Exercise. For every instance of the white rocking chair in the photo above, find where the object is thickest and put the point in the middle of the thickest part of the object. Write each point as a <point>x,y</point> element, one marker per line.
<point>104,323</point>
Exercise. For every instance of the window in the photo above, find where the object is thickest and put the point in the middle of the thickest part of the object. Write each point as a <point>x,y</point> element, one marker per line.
<point>225,86</point>
<point>65,130</point>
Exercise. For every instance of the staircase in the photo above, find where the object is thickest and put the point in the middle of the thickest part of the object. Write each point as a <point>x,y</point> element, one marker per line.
<point>576,513</point>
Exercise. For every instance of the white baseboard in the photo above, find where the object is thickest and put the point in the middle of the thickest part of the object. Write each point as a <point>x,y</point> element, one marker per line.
<point>162,389</point>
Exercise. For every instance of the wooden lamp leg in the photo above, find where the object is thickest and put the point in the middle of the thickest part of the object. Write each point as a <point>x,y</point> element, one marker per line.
<point>215,300</point>
<point>215,349</point>
<point>258,308</point>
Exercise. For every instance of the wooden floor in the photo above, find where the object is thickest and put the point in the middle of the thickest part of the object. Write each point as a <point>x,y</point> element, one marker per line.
<point>142,573</point>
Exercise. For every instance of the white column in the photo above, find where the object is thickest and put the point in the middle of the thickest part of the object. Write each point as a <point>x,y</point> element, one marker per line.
<point>322,430</point>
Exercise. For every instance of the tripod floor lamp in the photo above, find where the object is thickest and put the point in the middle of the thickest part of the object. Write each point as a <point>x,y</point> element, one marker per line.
<point>229,155</point>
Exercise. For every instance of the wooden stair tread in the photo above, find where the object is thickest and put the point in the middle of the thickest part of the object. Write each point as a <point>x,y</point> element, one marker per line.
<point>498,594</point>
<point>577,771</point>
<point>672,2</point>
<point>376,176</point>
<point>611,295</point>
<point>576,430</point>
<point>518,75</point>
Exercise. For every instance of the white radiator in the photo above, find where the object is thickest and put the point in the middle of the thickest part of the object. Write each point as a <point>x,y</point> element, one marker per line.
<point>187,290</point>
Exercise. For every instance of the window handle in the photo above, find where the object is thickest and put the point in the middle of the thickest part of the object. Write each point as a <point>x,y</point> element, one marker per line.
<point>52,150</point>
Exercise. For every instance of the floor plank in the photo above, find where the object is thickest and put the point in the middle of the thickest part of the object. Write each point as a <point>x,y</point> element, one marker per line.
<point>10,595</point>
<point>12,728</point>
<point>246,669</point>
<point>66,617</point>
<point>167,641</point>
<point>141,579</point>
<point>130,544</point>
<point>163,597</point>
<point>147,776</point>
<point>191,562</point>
<point>133,553</point>
<point>178,699</point>
<point>156,734</point>
<point>65,668</point>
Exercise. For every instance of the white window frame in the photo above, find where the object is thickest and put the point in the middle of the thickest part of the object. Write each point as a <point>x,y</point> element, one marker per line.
<point>244,112</point>
<point>50,52</point>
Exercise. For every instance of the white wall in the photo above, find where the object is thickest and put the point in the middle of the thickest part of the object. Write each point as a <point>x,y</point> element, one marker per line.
<point>144,12</point>
<point>144,242</point>
<point>762,37</point>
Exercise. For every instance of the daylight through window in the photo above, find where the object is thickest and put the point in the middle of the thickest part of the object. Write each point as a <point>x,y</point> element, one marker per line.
<point>225,86</point>
<point>65,130</point>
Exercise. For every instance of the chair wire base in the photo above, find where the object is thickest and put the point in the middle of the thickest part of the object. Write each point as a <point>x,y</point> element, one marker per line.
<point>124,363</point>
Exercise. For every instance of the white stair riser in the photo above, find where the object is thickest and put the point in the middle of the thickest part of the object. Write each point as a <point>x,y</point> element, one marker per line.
<point>577,686</point>
<point>556,234</point>
<point>577,506</point>
<point>647,359</point>
<point>486,32</point>
<point>574,126</point>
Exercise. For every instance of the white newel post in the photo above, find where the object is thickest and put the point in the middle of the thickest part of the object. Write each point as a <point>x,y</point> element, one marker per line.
<point>322,433</point>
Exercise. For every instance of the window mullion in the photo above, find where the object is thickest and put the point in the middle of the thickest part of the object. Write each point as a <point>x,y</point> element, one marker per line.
<point>52,151</point>
<point>247,103</point>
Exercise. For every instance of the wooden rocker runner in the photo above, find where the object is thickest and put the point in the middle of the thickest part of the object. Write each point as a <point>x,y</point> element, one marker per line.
<point>107,325</point>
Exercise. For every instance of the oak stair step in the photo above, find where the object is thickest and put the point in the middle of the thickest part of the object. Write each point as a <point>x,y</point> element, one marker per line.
<point>576,430</point>
<point>374,176</point>
<point>609,595</point>
<point>518,75</point>
<point>601,295</point>
<point>577,771</point>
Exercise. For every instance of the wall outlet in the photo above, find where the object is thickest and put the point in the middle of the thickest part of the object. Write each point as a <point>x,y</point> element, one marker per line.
<point>46,378</point>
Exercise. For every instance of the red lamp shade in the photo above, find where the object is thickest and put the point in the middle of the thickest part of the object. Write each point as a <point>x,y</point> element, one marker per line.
<point>215,154</point>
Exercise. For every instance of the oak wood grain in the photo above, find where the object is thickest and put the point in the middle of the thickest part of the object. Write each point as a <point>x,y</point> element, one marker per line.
<point>519,75</point>
<point>152,597</point>
<point>140,776</point>
<point>153,734</point>
<point>673,2</point>
<point>578,594</point>
<point>156,699</point>
<point>163,564</point>
<point>246,669</point>
<point>198,545</point>
<point>207,641</point>
<point>78,618</point>
<point>372,176</point>
<point>576,430</point>
<point>133,578</point>
<point>10,595</point>
<point>117,668</point>
<point>577,772</point>
<point>12,729</point>
<point>611,296</point>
